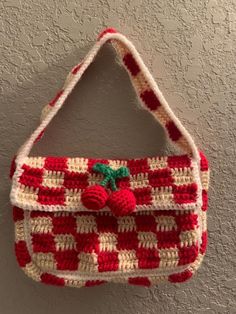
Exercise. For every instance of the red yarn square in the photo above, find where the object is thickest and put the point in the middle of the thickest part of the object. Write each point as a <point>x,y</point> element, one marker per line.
<point>108,261</point>
<point>131,64</point>
<point>178,161</point>
<point>106,223</point>
<point>32,177</point>
<point>167,239</point>
<point>185,194</point>
<point>148,258</point>
<point>187,221</point>
<point>75,180</point>
<point>160,177</point>
<point>43,243</point>
<point>18,214</point>
<point>50,279</point>
<point>64,225</point>
<point>187,255</point>
<point>143,196</point>
<point>145,223</point>
<point>204,162</point>
<point>137,166</point>
<point>150,99</point>
<point>67,260</point>
<point>180,277</point>
<point>87,242</point>
<point>127,240</point>
<point>173,131</point>
<point>56,163</point>
<point>92,283</point>
<point>204,200</point>
<point>51,196</point>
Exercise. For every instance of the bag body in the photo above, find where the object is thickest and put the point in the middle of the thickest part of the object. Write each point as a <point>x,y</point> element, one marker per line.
<point>161,237</point>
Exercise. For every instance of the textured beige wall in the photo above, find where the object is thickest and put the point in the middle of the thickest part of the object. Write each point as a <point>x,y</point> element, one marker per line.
<point>190,48</point>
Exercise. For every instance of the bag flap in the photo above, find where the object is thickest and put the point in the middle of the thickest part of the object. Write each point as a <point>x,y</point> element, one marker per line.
<point>56,183</point>
<point>160,183</point>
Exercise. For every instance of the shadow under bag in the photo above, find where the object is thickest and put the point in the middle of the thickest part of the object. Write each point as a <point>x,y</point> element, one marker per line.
<point>84,221</point>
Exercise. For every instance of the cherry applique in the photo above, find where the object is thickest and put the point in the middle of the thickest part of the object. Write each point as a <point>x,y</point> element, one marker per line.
<point>94,197</point>
<point>121,202</point>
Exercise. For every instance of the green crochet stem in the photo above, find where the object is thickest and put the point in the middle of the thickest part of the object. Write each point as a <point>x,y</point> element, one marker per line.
<point>110,175</point>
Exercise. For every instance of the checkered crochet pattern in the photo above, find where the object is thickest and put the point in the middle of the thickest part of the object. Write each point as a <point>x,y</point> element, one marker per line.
<point>60,242</point>
<point>56,184</point>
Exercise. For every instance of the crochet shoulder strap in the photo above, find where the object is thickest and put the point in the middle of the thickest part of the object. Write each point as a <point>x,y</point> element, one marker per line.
<point>145,86</point>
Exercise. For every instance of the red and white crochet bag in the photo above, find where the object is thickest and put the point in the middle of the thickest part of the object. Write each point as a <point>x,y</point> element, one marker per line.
<point>83,221</point>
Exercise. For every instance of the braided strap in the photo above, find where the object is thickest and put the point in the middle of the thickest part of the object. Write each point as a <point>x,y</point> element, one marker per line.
<point>145,86</point>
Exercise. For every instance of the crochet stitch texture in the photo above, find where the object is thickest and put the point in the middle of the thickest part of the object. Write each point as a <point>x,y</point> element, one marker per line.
<point>61,240</point>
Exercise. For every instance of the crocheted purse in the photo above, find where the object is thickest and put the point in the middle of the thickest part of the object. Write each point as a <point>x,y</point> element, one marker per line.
<point>83,221</point>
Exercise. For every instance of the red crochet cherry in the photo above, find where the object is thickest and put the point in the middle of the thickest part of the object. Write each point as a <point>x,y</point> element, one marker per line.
<point>94,197</point>
<point>122,202</point>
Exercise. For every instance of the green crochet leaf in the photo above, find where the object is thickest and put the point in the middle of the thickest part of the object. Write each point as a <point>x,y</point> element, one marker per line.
<point>110,175</point>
